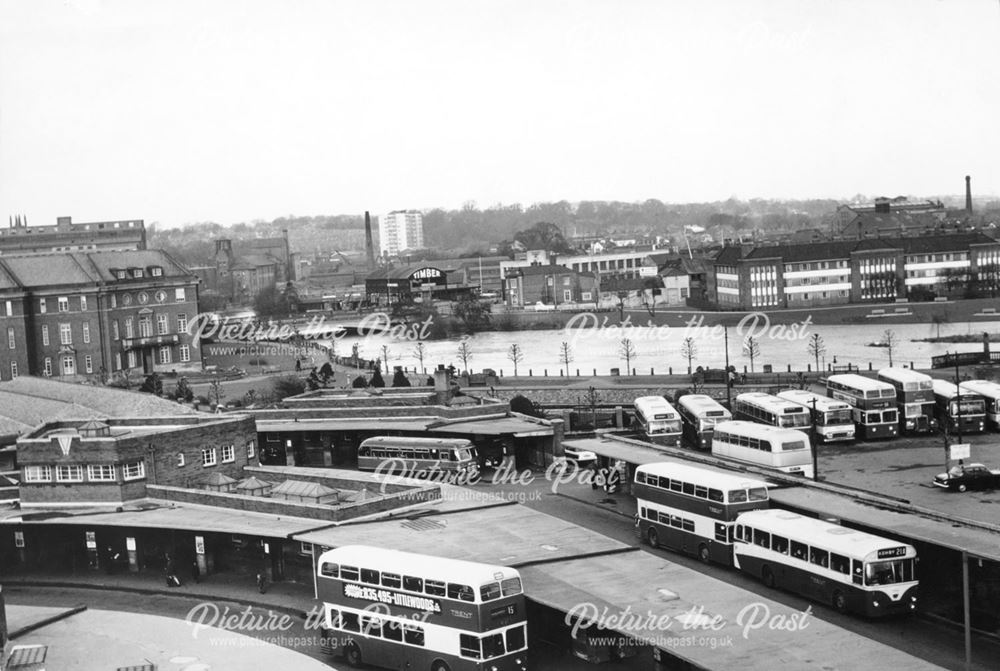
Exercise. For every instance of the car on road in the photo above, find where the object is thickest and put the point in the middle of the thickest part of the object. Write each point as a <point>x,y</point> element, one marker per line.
<point>973,476</point>
<point>581,457</point>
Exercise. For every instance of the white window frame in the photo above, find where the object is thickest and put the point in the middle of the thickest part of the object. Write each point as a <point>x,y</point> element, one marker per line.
<point>133,359</point>
<point>156,271</point>
<point>135,470</point>
<point>63,360</point>
<point>162,324</point>
<point>179,294</point>
<point>88,363</point>
<point>69,473</point>
<point>83,303</point>
<point>45,335</point>
<point>251,449</point>
<point>62,304</point>
<point>86,332</point>
<point>10,308</point>
<point>182,323</point>
<point>101,473</point>
<point>13,370</point>
<point>38,474</point>
<point>165,356</point>
<point>208,457</point>
<point>114,329</point>
<point>11,338</point>
<point>185,352</point>
<point>228,454</point>
<point>65,334</point>
<point>305,549</point>
<point>42,307</point>
<point>114,300</point>
<point>47,366</point>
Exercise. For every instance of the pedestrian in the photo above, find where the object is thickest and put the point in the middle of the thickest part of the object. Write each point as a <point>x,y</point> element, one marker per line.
<point>298,365</point>
<point>195,571</point>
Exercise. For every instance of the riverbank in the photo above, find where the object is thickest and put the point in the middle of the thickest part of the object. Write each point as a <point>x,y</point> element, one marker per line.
<point>962,338</point>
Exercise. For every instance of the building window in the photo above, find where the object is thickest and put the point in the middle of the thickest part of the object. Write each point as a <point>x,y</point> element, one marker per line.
<point>182,323</point>
<point>69,473</point>
<point>567,295</point>
<point>250,449</point>
<point>47,367</point>
<point>228,454</point>
<point>179,294</point>
<point>86,332</point>
<point>114,300</point>
<point>9,311</point>
<point>180,459</point>
<point>138,273</point>
<point>586,296</point>
<point>65,334</point>
<point>129,333</point>
<point>121,274</point>
<point>145,327</point>
<point>41,306</point>
<point>134,470</point>
<point>161,324</point>
<point>306,549</point>
<point>101,472</point>
<point>45,335</point>
<point>88,361</point>
<point>156,271</point>
<point>185,353</point>
<point>38,474</point>
<point>83,303</point>
<point>208,456</point>
<point>165,354</point>
<point>114,329</point>
<point>11,344</point>
<point>133,359</point>
<point>118,360</point>
<point>63,304</point>
<point>68,365</point>
<point>13,370</point>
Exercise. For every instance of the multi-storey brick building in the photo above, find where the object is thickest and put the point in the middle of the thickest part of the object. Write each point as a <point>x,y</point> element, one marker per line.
<point>112,460</point>
<point>551,284</point>
<point>855,271</point>
<point>66,236</point>
<point>81,315</point>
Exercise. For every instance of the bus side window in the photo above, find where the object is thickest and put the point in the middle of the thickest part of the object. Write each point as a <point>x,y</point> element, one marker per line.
<point>349,621</point>
<point>739,532</point>
<point>434,588</point>
<point>779,544</point>
<point>799,550</point>
<point>640,476</point>
<point>715,495</point>
<point>511,586</point>
<point>333,619</point>
<point>349,573</point>
<point>820,557</point>
<point>413,584</point>
<point>857,575</point>
<point>490,591</point>
<point>329,570</point>
<point>369,576</point>
<point>413,635</point>
<point>468,646</point>
<point>762,538</point>
<point>701,492</point>
<point>371,626</point>
<point>840,563</point>
<point>364,451</point>
<point>720,532</point>
<point>393,631</point>
<point>460,592</point>
<point>391,580</point>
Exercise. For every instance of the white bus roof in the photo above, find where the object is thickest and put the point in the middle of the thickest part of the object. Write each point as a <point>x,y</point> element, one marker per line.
<point>769,402</point>
<point>701,476</point>
<point>945,388</point>
<point>700,402</point>
<point>653,404</point>
<point>825,535</point>
<point>805,398</point>
<point>394,441</point>
<point>982,387</point>
<point>755,430</point>
<point>903,375</point>
<point>859,382</point>
<point>422,566</point>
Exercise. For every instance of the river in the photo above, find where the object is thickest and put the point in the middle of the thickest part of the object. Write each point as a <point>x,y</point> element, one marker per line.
<point>659,348</point>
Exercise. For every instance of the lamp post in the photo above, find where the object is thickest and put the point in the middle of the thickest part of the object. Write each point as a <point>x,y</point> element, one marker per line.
<point>815,443</point>
<point>729,391</point>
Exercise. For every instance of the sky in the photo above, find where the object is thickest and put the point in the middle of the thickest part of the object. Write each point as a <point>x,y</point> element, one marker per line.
<point>181,111</point>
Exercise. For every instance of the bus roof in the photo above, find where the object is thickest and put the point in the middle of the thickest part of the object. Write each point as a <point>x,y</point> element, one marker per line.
<point>803,397</point>
<point>826,535</point>
<point>982,387</point>
<point>696,402</point>
<point>755,430</point>
<point>652,403</point>
<point>945,388</point>
<point>701,476</point>
<point>859,382</point>
<point>424,566</point>
<point>393,441</point>
<point>769,402</point>
<point>903,375</point>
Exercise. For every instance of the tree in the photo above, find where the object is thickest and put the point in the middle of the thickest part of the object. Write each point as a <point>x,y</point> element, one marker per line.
<point>891,342</point>
<point>816,347</point>
<point>543,235</point>
<point>621,296</point>
<point>565,356</point>
<point>270,302</point>
<point>420,352</point>
<point>689,350</point>
<point>474,313</point>
<point>359,382</point>
<point>184,391</point>
<point>287,385</point>
<point>525,406</point>
<point>216,392</point>
<point>626,350</point>
<point>937,320</point>
<point>751,349</point>
<point>377,380</point>
<point>464,353</point>
<point>515,354</point>
<point>399,379</point>
<point>152,385</point>
<point>653,285</point>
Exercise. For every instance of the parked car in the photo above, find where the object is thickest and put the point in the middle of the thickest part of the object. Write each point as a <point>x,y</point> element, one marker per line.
<point>581,457</point>
<point>973,476</point>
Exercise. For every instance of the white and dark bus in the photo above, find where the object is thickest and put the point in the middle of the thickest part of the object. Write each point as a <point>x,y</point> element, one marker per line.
<point>699,415</point>
<point>874,403</point>
<point>848,569</point>
<point>404,610</point>
<point>959,410</point>
<point>658,420</point>
<point>990,391</point>
<point>691,509</point>
<point>406,456</point>
<point>914,398</point>
<point>787,450</point>
<point>833,419</point>
<point>764,408</point>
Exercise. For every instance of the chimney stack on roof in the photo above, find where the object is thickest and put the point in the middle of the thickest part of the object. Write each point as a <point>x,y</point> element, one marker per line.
<point>968,194</point>
<point>369,244</point>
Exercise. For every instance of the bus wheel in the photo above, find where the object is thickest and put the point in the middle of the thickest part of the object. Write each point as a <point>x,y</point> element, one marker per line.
<point>839,601</point>
<point>440,666</point>
<point>767,575</point>
<point>703,553</point>
<point>352,654</point>
<point>652,537</point>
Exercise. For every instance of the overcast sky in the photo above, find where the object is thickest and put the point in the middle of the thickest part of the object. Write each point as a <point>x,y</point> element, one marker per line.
<point>178,111</point>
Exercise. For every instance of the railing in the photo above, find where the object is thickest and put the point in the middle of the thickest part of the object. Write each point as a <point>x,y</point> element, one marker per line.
<point>964,359</point>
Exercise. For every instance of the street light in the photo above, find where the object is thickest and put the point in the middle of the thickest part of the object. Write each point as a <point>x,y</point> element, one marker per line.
<point>815,443</point>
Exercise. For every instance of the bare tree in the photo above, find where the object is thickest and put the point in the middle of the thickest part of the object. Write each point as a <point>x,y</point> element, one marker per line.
<point>420,352</point>
<point>689,350</point>
<point>464,353</point>
<point>565,356</point>
<point>891,342</point>
<point>385,357</point>
<point>515,355</point>
<point>626,350</point>
<point>216,392</point>
<point>751,349</point>
<point>816,347</point>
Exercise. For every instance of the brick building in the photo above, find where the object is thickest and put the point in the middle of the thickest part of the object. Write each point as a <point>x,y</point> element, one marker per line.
<point>90,315</point>
<point>87,462</point>
<point>550,284</point>
<point>66,236</point>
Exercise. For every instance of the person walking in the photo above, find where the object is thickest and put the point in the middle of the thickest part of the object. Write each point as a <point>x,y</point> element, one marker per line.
<point>195,572</point>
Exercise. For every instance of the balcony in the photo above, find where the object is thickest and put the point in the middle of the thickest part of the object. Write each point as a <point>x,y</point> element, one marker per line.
<point>150,341</point>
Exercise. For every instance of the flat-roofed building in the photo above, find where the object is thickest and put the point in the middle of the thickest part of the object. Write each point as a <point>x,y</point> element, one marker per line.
<point>65,236</point>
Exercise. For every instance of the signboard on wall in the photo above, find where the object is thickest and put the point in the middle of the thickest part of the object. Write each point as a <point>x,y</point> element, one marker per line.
<point>91,540</point>
<point>960,451</point>
<point>199,544</point>
<point>19,539</point>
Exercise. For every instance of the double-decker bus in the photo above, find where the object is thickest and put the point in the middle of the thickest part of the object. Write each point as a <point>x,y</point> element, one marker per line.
<point>417,457</point>
<point>990,391</point>
<point>756,406</point>
<point>914,398</point>
<point>874,403</point>
<point>659,421</point>
<point>833,419</point>
<point>699,415</point>
<point>787,450</point>
<point>404,610</point>
<point>848,569</point>
<point>692,509</point>
<point>959,410</point>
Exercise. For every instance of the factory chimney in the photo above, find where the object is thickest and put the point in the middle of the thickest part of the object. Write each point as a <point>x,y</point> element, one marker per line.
<point>369,244</point>
<point>968,194</point>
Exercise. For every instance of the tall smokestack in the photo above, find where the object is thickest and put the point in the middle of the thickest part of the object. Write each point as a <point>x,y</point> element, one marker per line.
<point>369,244</point>
<point>968,194</point>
